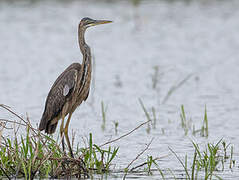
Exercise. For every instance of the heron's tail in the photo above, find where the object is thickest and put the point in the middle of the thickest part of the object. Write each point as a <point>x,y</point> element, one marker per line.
<point>46,125</point>
<point>42,124</point>
<point>51,128</point>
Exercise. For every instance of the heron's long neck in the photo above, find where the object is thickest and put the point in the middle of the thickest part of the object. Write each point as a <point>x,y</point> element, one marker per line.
<point>85,49</point>
<point>86,63</point>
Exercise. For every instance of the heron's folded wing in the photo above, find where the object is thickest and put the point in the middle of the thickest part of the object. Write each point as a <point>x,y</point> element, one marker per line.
<point>60,91</point>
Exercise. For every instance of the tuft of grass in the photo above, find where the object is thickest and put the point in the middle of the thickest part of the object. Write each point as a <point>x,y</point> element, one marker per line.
<point>181,162</point>
<point>98,159</point>
<point>145,110</point>
<point>154,118</point>
<point>148,116</point>
<point>31,155</point>
<point>209,159</point>
<point>151,161</point>
<point>185,123</point>
<point>204,130</point>
<point>36,155</point>
<point>188,126</point>
<point>206,161</point>
<point>40,156</point>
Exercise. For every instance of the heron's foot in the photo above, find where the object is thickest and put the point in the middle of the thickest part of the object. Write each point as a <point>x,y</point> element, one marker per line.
<point>68,141</point>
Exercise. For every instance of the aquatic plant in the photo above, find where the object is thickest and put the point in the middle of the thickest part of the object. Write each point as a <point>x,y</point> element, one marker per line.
<point>103,112</point>
<point>187,124</point>
<point>40,155</point>
<point>206,161</point>
<point>36,155</point>
<point>152,118</point>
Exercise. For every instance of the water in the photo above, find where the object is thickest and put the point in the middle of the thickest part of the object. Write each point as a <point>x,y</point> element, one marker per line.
<point>198,39</point>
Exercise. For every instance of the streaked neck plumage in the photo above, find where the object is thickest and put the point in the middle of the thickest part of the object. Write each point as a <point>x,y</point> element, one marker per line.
<point>85,49</point>
<point>86,63</point>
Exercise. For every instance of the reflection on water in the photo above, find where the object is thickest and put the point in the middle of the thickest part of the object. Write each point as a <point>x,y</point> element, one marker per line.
<point>39,40</point>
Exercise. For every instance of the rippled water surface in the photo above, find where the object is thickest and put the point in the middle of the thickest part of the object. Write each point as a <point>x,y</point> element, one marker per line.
<point>162,40</point>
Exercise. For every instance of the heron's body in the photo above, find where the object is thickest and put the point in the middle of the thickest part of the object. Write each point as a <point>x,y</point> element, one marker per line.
<point>59,103</point>
<point>70,89</point>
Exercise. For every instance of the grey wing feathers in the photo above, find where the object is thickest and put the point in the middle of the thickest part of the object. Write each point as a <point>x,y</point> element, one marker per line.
<point>60,91</point>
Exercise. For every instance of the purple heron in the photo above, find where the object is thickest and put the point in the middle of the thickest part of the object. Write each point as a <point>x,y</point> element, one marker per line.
<point>70,89</point>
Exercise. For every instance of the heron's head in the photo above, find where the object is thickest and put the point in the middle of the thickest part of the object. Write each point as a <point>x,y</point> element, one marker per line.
<point>88,22</point>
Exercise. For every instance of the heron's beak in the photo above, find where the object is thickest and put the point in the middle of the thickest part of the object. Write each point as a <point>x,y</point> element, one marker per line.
<point>97,22</point>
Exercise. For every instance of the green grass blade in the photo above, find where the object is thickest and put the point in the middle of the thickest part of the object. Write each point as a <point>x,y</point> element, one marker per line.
<point>180,162</point>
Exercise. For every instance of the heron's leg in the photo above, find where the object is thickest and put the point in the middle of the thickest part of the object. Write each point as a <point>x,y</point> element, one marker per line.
<point>66,134</point>
<point>62,133</point>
